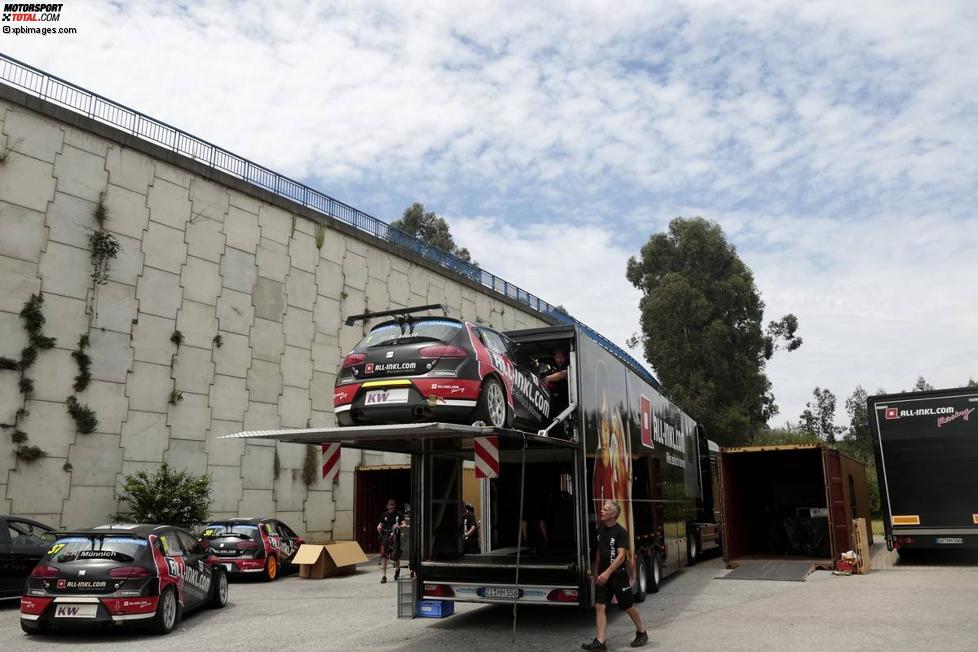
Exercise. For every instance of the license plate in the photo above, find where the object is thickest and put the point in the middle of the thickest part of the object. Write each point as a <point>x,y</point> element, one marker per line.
<point>386,396</point>
<point>69,610</point>
<point>499,592</point>
<point>949,540</point>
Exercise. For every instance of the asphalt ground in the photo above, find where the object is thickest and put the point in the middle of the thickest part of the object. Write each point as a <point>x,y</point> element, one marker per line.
<point>923,605</point>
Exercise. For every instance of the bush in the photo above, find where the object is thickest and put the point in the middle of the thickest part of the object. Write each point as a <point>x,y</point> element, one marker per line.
<point>166,498</point>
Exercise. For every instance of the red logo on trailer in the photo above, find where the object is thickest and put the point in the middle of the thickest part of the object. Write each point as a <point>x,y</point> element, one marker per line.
<point>331,461</point>
<point>646,410</point>
<point>892,413</point>
<point>486,457</point>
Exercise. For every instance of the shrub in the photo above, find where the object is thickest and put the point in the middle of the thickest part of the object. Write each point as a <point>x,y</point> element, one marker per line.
<point>84,416</point>
<point>166,497</point>
<point>30,453</point>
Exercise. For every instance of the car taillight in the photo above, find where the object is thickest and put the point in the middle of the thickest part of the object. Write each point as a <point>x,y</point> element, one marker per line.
<point>443,351</point>
<point>42,570</point>
<point>129,572</point>
<point>562,595</point>
<point>354,359</point>
<point>248,545</point>
<point>439,591</point>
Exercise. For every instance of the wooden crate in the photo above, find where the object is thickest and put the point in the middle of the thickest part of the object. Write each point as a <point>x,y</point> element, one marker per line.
<point>860,543</point>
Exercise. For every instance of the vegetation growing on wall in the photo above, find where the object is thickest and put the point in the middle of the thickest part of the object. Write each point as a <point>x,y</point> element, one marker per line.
<point>309,465</point>
<point>105,248</point>
<point>166,497</point>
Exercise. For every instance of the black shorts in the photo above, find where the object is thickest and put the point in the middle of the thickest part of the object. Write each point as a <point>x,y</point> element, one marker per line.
<point>603,593</point>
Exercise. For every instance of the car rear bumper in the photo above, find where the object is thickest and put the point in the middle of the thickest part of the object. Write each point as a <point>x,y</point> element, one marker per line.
<point>70,611</point>
<point>456,411</point>
<point>239,566</point>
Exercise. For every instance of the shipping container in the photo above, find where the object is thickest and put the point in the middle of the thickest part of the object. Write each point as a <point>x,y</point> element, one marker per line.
<point>790,502</point>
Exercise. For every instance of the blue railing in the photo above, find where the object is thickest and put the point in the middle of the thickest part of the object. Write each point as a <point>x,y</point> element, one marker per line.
<point>65,94</point>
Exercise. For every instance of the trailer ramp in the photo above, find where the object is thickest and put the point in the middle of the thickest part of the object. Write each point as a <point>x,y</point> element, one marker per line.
<point>773,570</point>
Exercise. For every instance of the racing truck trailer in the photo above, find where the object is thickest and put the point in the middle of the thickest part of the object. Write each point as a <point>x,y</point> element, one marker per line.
<point>926,447</point>
<point>617,438</point>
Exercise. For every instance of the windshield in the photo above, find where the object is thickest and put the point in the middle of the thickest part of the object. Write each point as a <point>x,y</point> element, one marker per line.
<point>420,330</point>
<point>116,548</point>
<point>238,530</point>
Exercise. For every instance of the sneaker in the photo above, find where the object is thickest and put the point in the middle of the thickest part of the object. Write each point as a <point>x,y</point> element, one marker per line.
<point>594,645</point>
<point>641,638</point>
<point>397,574</point>
<point>383,580</point>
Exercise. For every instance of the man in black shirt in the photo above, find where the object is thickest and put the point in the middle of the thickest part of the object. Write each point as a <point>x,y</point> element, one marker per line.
<point>387,533</point>
<point>612,579</point>
<point>470,531</point>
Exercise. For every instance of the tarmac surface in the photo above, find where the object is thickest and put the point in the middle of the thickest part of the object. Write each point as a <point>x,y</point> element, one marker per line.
<point>927,604</point>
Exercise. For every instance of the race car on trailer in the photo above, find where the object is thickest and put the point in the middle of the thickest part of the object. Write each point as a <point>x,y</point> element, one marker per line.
<point>252,545</point>
<point>147,575</point>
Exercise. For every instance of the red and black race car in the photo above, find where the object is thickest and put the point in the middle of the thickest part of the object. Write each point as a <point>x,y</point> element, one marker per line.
<point>252,545</point>
<point>119,575</point>
<point>416,369</point>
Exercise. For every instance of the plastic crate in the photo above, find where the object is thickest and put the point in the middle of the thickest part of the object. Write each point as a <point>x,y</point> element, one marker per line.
<point>405,598</point>
<point>435,608</point>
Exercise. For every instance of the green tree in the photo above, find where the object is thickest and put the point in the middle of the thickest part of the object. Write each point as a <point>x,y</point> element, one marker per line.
<point>972,382</point>
<point>858,434</point>
<point>432,229</point>
<point>921,385</point>
<point>789,434</point>
<point>702,328</point>
<point>166,498</point>
<point>818,419</point>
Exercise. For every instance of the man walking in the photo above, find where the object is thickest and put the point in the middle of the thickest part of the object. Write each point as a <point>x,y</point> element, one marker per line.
<point>612,579</point>
<point>390,544</point>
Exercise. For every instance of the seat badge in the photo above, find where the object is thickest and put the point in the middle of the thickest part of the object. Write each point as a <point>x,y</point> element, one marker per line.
<point>390,354</point>
<point>81,572</point>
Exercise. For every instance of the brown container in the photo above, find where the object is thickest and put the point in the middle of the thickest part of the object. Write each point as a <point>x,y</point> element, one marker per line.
<point>790,502</point>
<point>318,561</point>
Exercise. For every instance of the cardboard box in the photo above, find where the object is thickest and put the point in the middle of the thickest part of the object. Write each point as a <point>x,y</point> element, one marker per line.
<point>317,561</point>
<point>435,608</point>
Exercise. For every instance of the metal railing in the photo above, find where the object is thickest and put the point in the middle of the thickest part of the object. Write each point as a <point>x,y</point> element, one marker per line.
<point>65,94</point>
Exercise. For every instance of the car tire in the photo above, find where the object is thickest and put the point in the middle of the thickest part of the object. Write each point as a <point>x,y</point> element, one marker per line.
<point>693,546</point>
<point>219,595</point>
<point>655,573</point>
<point>491,408</point>
<point>167,613</point>
<point>271,569</point>
<point>641,577</point>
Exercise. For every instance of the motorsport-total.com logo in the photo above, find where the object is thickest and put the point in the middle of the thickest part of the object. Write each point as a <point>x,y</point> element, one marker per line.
<point>31,13</point>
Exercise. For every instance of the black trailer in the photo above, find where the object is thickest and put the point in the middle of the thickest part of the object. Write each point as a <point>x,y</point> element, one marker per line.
<point>926,446</point>
<point>622,440</point>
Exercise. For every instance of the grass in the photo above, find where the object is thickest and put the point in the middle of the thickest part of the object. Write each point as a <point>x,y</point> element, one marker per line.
<point>877,527</point>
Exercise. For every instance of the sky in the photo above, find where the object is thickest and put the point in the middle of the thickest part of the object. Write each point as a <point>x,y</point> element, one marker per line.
<point>836,144</point>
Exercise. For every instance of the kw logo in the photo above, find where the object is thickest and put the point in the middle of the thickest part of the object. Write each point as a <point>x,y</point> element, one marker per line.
<point>377,397</point>
<point>67,611</point>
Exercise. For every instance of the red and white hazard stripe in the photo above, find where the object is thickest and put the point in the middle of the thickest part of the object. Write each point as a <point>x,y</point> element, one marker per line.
<point>486,457</point>
<point>331,461</point>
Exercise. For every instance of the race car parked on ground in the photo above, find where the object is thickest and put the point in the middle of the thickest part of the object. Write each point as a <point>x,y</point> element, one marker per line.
<point>415,369</point>
<point>22,544</point>
<point>252,545</point>
<point>122,574</point>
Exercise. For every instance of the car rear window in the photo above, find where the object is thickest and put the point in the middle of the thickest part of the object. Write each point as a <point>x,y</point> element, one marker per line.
<point>81,548</point>
<point>425,330</point>
<point>239,530</point>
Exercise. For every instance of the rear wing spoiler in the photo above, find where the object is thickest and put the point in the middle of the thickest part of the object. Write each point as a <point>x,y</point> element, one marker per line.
<point>403,314</point>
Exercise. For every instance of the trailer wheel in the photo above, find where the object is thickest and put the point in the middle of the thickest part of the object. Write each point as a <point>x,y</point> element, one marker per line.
<point>641,578</point>
<point>491,408</point>
<point>655,575</point>
<point>692,546</point>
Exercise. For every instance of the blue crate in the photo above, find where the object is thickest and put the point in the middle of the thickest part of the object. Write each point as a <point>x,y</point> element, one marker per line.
<point>435,608</point>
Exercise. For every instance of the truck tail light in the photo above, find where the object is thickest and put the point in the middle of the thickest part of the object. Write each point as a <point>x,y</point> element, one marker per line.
<point>904,541</point>
<point>129,572</point>
<point>562,595</point>
<point>354,359</point>
<point>44,571</point>
<point>438,591</point>
<point>443,351</point>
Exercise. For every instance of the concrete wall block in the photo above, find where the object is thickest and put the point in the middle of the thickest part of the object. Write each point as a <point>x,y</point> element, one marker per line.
<point>290,494</point>
<point>126,211</point>
<point>299,328</point>
<point>164,248</point>
<point>329,279</point>
<point>201,281</point>
<point>355,271</point>
<point>357,247</point>
<point>130,169</point>
<point>301,289</point>
<point>69,221</point>
<point>264,381</point>
<point>323,419</point>
<point>65,270</point>
<point>14,337</point>
<point>226,483</point>
<point>397,286</point>
<point>291,456</point>
<point>468,310</point>
<point>328,317</point>
<point>117,307</point>
<point>378,264</point>
<point>10,402</point>
<point>294,407</point>
<point>151,339</point>
<point>190,418</point>
<point>148,387</point>
<point>238,270</point>
<point>483,307</point>
<point>23,232</point>
<point>436,294</point>
<point>334,247</point>
<point>296,367</point>
<point>187,455</point>
<point>173,174</point>
<point>378,297</point>
<point>193,369</point>
<point>89,507</point>
<point>243,202</point>
<point>257,502</point>
<point>321,391</point>
<point>169,204</point>
<point>198,324</point>
<point>144,436</point>
<point>354,303</point>
<point>396,459</point>
<point>210,200</point>
<point>28,133</point>
<point>235,313</point>
<point>206,239</point>
<point>319,511</point>
<point>276,224</point>
<point>53,375</point>
<point>343,525</point>
<point>302,249</point>
<point>233,356</point>
<point>261,416</point>
<point>39,487</point>
<point>273,259</point>
<point>86,141</point>
<point>229,398</point>
<point>453,295</point>
<point>109,402</point>
<point>224,451</point>
<point>18,281</point>
<point>80,173</point>
<point>350,459</point>
<point>96,460</point>
<point>267,340</point>
<point>241,227</point>
<point>269,299</point>
<point>111,355</point>
<point>373,458</point>
<point>326,356</point>
<point>49,426</point>
<point>159,293</point>
<point>27,182</point>
<point>258,467</point>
